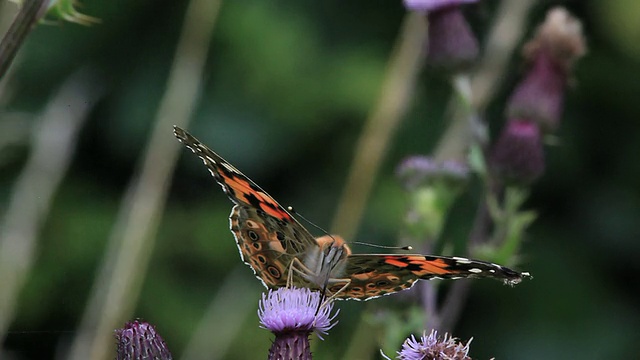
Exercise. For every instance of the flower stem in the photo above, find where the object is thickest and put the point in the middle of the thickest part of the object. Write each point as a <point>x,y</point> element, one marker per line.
<point>20,27</point>
<point>396,94</point>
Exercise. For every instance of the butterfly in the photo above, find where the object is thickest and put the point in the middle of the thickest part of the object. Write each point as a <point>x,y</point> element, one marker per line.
<point>281,252</point>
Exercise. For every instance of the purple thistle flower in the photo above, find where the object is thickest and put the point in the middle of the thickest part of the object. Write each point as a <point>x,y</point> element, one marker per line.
<point>452,44</point>
<point>433,5</point>
<point>540,95</point>
<point>292,314</point>
<point>431,348</point>
<point>518,156</point>
<point>139,340</point>
<point>558,43</point>
<point>416,171</point>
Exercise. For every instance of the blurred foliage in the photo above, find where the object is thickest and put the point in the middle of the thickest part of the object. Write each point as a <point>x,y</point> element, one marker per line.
<point>288,87</point>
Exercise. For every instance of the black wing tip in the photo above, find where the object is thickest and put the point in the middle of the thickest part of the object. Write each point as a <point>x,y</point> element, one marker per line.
<point>180,133</point>
<point>511,281</point>
<point>185,137</point>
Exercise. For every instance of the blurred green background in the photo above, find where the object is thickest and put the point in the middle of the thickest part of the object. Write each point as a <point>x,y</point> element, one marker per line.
<point>287,88</point>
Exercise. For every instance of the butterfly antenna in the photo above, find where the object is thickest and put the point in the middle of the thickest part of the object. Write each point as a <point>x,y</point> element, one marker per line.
<point>406,248</point>
<point>294,212</point>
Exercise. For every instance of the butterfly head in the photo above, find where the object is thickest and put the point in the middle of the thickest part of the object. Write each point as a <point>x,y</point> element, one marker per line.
<point>326,261</point>
<point>333,241</point>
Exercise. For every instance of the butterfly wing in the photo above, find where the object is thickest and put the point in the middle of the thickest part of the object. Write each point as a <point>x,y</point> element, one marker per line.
<point>266,244</point>
<point>268,237</point>
<point>376,275</point>
<point>239,188</point>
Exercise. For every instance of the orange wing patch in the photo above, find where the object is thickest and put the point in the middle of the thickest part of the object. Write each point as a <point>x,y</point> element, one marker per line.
<point>435,266</point>
<point>237,184</point>
<point>245,189</point>
<point>272,208</point>
<point>420,265</point>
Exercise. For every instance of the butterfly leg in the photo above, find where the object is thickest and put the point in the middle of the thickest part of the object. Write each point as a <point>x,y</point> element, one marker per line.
<point>292,268</point>
<point>296,267</point>
<point>327,299</point>
<point>333,296</point>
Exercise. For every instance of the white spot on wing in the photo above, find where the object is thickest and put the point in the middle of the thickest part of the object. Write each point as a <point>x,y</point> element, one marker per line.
<point>475,270</point>
<point>230,167</point>
<point>210,159</point>
<point>461,260</point>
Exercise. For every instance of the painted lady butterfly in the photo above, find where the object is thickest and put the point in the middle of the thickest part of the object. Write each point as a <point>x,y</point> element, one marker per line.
<point>282,252</point>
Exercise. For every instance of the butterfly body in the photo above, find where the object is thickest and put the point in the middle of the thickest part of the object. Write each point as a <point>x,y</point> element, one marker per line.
<point>281,252</point>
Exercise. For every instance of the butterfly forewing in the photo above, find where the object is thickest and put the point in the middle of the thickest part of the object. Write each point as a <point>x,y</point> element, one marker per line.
<point>239,188</point>
<point>268,237</point>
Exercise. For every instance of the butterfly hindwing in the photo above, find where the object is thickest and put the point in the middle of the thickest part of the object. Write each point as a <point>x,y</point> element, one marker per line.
<point>267,244</point>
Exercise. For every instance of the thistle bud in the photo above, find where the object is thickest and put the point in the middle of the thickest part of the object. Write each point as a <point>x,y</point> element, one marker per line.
<point>452,44</point>
<point>139,340</point>
<point>518,157</point>
<point>558,43</point>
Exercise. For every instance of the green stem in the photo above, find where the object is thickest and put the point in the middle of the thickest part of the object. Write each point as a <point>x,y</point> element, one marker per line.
<point>396,94</point>
<point>23,23</point>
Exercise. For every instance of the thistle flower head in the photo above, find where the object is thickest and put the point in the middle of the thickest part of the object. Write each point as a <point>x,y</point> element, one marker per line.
<point>433,5</point>
<point>416,171</point>
<point>431,348</point>
<point>518,157</point>
<point>452,44</point>
<point>433,187</point>
<point>558,43</point>
<point>560,36</point>
<point>139,340</point>
<point>294,309</point>
<point>292,314</point>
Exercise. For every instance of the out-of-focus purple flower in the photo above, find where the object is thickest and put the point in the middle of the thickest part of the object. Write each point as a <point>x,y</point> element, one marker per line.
<point>452,45</point>
<point>518,155</point>
<point>139,340</point>
<point>433,187</point>
<point>433,5</point>
<point>540,95</point>
<point>292,314</point>
<point>431,348</point>
<point>416,171</point>
<point>558,43</point>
